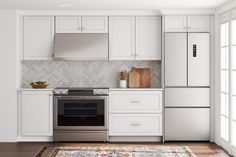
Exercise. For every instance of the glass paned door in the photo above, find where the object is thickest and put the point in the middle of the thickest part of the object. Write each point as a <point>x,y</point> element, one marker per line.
<point>224,83</point>
<point>233,82</point>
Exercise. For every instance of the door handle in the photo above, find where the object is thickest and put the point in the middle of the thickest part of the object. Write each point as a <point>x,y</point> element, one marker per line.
<point>135,102</point>
<point>135,124</point>
<point>194,50</point>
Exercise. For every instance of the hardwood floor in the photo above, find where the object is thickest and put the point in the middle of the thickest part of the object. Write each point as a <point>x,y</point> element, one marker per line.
<point>29,149</point>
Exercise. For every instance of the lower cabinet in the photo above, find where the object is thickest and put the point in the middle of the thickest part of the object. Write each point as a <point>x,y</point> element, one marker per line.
<point>35,115</point>
<point>135,113</point>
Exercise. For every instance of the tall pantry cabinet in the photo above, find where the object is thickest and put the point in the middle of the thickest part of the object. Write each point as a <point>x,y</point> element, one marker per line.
<point>187,78</point>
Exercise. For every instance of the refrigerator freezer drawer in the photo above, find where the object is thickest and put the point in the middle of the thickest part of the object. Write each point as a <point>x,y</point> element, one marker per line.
<point>187,97</point>
<point>187,124</point>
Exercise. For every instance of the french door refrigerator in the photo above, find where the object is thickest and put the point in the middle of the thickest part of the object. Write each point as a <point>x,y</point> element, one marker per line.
<point>187,86</point>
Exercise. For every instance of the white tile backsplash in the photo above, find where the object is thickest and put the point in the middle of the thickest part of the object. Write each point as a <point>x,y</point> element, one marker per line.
<point>84,73</point>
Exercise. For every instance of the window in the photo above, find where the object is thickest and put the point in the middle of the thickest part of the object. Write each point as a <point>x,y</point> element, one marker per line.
<point>228,80</point>
<point>233,81</point>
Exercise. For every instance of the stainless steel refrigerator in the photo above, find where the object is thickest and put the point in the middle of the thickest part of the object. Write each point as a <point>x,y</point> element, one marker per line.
<point>187,86</point>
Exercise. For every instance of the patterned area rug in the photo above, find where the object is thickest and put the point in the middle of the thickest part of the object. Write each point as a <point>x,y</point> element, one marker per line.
<point>111,151</point>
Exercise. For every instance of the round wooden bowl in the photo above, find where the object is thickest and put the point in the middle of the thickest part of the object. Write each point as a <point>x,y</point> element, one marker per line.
<point>40,86</point>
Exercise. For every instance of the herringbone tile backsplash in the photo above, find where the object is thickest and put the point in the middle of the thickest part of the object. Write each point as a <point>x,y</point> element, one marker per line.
<point>84,73</point>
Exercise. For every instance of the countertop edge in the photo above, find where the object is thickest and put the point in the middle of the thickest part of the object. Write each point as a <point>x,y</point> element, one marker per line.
<point>34,89</point>
<point>136,89</point>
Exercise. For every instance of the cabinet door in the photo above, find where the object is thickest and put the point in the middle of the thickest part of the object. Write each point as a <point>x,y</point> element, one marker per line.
<point>148,38</point>
<point>68,24</point>
<point>94,24</point>
<point>187,124</point>
<point>175,23</point>
<point>38,38</point>
<point>121,38</point>
<point>198,59</point>
<point>175,59</point>
<point>36,113</point>
<point>198,23</point>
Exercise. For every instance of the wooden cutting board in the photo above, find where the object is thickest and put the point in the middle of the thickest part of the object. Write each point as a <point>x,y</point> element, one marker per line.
<point>139,78</point>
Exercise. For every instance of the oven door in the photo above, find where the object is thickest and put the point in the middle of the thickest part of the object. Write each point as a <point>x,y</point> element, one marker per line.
<point>80,113</point>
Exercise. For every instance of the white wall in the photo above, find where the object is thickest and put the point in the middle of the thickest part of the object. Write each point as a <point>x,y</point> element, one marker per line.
<point>8,75</point>
<point>226,7</point>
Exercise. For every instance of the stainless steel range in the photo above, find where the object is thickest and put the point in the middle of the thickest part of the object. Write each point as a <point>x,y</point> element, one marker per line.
<point>80,114</point>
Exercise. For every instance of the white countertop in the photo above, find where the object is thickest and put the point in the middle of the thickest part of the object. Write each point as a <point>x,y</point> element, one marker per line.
<point>111,89</point>
<point>35,89</point>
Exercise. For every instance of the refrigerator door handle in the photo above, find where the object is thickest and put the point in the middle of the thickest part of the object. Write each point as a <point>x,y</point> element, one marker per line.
<point>194,50</point>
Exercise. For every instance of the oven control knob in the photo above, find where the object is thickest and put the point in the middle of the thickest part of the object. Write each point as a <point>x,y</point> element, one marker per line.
<point>61,91</point>
<point>100,91</point>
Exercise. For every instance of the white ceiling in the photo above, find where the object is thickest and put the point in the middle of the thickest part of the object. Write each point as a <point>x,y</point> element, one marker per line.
<point>108,4</point>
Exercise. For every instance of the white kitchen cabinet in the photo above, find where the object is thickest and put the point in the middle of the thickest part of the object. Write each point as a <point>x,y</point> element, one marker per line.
<point>68,24</point>
<point>175,23</point>
<point>187,23</point>
<point>135,113</point>
<point>94,24</point>
<point>198,23</point>
<point>187,124</point>
<point>122,38</point>
<point>136,102</point>
<point>84,24</point>
<point>35,113</point>
<point>175,59</point>
<point>198,59</point>
<point>148,38</point>
<point>38,37</point>
<point>135,125</point>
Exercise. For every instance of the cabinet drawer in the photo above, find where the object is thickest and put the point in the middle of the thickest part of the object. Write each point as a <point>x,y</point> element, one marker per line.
<point>191,97</point>
<point>135,124</point>
<point>135,102</point>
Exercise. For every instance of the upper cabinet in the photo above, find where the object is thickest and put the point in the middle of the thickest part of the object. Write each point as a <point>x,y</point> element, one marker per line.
<point>68,24</point>
<point>121,37</point>
<point>198,23</point>
<point>130,37</point>
<point>93,24</point>
<point>148,38</point>
<point>84,24</point>
<point>38,37</point>
<point>133,38</point>
<point>189,23</point>
<point>175,23</point>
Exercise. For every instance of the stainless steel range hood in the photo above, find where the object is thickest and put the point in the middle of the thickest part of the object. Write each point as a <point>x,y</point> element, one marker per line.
<point>81,46</point>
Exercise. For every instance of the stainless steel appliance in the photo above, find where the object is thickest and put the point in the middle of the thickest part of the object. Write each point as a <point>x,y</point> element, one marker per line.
<point>81,46</point>
<point>187,86</point>
<point>80,114</point>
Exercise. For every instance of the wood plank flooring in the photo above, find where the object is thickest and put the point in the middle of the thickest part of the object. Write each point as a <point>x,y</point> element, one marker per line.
<point>29,149</point>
